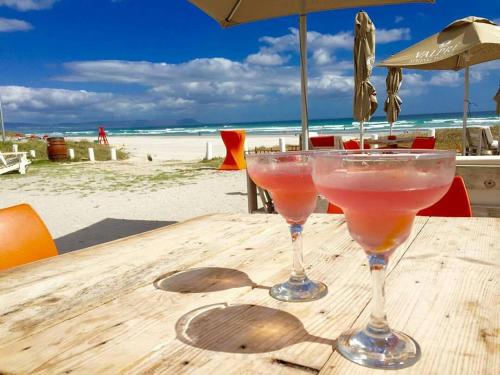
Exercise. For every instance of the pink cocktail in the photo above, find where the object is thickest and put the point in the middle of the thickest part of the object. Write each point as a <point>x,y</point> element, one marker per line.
<point>380,192</point>
<point>287,177</point>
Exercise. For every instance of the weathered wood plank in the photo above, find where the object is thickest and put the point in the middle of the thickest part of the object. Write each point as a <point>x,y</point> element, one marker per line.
<point>444,293</point>
<point>113,328</point>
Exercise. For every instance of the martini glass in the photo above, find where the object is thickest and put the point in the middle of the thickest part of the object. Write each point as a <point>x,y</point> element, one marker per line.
<point>287,176</point>
<point>380,192</point>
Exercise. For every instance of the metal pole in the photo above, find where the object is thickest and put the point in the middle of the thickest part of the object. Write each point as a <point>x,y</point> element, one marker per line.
<point>1,121</point>
<point>362,135</point>
<point>303,80</point>
<point>466,108</point>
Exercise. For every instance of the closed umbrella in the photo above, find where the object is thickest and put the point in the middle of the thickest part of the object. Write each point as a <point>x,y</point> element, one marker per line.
<point>497,99</point>
<point>365,99</point>
<point>461,44</point>
<point>234,12</point>
<point>392,105</point>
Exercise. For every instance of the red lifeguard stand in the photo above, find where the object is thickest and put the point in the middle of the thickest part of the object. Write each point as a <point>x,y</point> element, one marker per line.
<point>102,139</point>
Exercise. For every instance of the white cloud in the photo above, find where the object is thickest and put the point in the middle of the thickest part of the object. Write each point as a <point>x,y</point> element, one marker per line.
<point>12,24</point>
<point>267,58</point>
<point>320,46</point>
<point>384,36</point>
<point>445,78</point>
<point>24,5</point>
<point>27,103</point>
<point>322,56</point>
<point>202,85</point>
<point>398,19</point>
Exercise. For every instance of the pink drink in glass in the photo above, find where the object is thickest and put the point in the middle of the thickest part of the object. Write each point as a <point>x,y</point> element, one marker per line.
<point>287,176</point>
<point>291,187</point>
<point>380,204</point>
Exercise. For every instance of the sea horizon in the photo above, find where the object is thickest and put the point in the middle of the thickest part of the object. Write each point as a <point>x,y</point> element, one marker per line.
<point>341,125</point>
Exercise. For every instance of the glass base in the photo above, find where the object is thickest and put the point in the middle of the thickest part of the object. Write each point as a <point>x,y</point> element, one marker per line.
<point>298,290</point>
<point>393,350</point>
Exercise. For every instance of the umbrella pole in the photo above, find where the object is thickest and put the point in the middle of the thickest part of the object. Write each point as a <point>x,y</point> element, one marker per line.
<point>362,135</point>
<point>303,80</point>
<point>466,108</point>
<point>1,121</point>
<point>390,128</point>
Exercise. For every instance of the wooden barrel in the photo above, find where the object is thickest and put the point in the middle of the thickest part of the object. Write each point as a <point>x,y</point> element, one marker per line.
<point>56,149</point>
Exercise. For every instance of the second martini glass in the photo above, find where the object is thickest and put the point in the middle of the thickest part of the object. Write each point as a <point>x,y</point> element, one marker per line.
<point>287,176</point>
<point>380,193</point>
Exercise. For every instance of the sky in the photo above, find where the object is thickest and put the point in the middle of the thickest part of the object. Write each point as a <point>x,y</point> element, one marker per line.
<point>98,60</point>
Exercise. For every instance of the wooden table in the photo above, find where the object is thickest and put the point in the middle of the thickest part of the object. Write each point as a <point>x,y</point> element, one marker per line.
<point>113,309</point>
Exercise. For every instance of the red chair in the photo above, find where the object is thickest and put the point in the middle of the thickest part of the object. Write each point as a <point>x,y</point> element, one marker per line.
<point>455,203</point>
<point>101,136</point>
<point>424,143</point>
<point>354,145</point>
<point>322,141</point>
<point>333,209</point>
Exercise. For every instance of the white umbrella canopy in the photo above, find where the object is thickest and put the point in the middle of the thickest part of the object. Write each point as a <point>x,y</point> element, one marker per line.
<point>235,12</point>
<point>461,44</point>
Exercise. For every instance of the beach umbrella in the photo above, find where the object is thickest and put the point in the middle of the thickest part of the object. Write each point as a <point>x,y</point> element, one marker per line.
<point>365,96</point>
<point>235,12</point>
<point>392,105</point>
<point>461,44</point>
<point>1,122</point>
<point>497,99</point>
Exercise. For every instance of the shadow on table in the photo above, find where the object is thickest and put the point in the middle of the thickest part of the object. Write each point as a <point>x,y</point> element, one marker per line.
<point>105,231</point>
<point>242,329</point>
<point>205,279</point>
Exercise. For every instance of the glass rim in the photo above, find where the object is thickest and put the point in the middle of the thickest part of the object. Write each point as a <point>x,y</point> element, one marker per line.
<point>277,154</point>
<point>385,153</point>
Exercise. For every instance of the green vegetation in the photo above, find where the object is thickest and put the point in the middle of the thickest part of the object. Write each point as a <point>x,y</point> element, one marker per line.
<point>88,178</point>
<point>101,152</point>
<point>211,164</point>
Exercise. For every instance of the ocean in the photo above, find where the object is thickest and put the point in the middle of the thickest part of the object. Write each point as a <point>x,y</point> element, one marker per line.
<point>324,126</point>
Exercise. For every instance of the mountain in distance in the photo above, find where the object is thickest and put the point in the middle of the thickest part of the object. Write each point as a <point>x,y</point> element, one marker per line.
<point>113,124</point>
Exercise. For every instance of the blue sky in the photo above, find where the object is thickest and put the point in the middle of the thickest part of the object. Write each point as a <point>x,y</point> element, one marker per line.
<point>84,60</point>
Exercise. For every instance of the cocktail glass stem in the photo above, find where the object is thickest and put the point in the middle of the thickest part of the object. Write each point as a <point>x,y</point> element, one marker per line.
<point>377,345</point>
<point>298,272</point>
<point>298,287</point>
<point>378,320</point>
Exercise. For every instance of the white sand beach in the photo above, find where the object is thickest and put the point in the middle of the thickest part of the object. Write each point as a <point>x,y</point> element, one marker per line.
<point>88,203</point>
<point>186,147</point>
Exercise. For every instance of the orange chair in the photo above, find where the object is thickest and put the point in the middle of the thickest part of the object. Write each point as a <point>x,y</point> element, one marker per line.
<point>234,140</point>
<point>424,143</point>
<point>24,237</point>
<point>354,145</point>
<point>455,203</point>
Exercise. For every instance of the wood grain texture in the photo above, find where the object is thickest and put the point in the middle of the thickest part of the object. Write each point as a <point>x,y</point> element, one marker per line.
<point>193,298</point>
<point>445,294</point>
